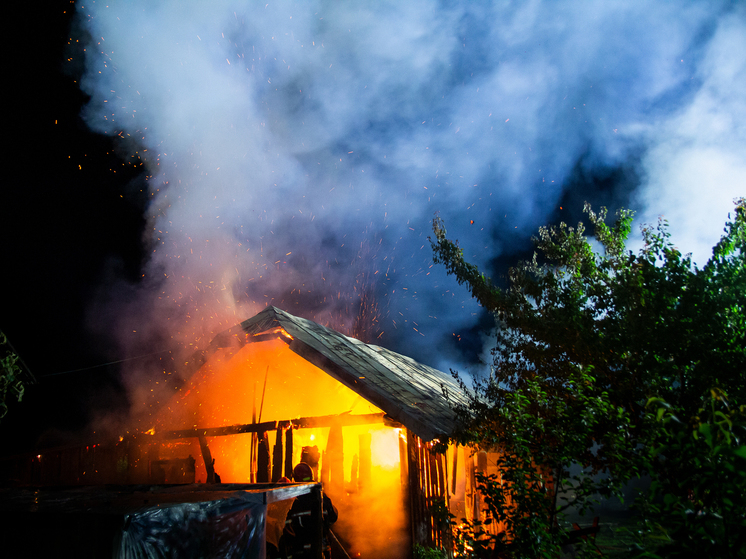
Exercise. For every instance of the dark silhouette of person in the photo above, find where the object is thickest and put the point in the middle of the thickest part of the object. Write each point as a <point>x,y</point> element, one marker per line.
<point>299,528</point>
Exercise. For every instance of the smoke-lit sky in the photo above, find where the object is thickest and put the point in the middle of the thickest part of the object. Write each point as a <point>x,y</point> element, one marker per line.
<point>296,153</point>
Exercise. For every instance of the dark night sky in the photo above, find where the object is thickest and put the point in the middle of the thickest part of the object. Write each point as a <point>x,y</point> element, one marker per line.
<point>322,152</point>
<point>59,229</point>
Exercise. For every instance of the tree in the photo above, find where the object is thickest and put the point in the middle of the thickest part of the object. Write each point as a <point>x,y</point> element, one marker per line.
<point>698,495</point>
<point>12,375</point>
<point>584,340</point>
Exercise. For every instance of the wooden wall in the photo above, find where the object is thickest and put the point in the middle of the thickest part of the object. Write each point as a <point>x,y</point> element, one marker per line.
<point>428,495</point>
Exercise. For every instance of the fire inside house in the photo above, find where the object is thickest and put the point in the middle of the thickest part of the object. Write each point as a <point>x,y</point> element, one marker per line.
<point>278,389</point>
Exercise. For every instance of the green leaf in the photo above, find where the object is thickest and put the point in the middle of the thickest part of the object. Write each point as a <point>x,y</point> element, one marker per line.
<point>620,363</point>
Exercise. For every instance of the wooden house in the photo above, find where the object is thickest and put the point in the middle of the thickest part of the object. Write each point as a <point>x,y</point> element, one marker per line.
<point>278,389</point>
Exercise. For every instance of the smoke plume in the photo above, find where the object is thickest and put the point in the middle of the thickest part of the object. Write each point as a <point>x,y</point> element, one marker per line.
<point>295,153</point>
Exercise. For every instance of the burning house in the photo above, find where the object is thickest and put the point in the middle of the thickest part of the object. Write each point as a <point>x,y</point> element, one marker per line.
<point>278,389</point>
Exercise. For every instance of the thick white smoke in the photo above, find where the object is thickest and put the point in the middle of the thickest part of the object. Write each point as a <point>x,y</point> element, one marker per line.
<point>696,163</point>
<point>297,152</point>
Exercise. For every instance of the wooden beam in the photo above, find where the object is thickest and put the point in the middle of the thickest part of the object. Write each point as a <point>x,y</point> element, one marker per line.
<point>342,420</point>
<point>222,431</point>
<point>207,457</point>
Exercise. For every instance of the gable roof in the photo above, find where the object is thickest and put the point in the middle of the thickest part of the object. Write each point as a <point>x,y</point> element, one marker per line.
<point>407,391</point>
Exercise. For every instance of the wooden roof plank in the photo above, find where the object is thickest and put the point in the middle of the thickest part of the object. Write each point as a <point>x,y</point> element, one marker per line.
<point>406,390</point>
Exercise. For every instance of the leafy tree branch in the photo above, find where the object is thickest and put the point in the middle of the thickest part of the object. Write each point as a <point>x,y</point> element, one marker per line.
<point>585,339</point>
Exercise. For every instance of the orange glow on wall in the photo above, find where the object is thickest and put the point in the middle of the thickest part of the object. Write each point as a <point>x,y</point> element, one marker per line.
<point>266,381</point>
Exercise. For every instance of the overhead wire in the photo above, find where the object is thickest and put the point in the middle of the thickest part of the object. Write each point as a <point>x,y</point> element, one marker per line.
<point>104,364</point>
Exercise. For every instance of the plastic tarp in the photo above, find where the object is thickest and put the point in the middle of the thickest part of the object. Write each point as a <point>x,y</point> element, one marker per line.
<point>227,528</point>
<point>140,522</point>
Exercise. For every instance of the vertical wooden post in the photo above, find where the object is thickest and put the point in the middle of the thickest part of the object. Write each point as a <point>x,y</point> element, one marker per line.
<point>403,463</point>
<point>444,534</point>
<point>289,453</point>
<point>154,451</point>
<point>454,470</point>
<point>481,468</point>
<point>433,496</point>
<point>335,454</point>
<point>252,453</point>
<point>207,457</point>
<point>263,462</point>
<point>469,489</point>
<point>417,504</point>
<point>406,494</point>
<point>441,475</point>
<point>252,459</point>
<point>366,462</point>
<point>277,456</point>
<point>482,462</point>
